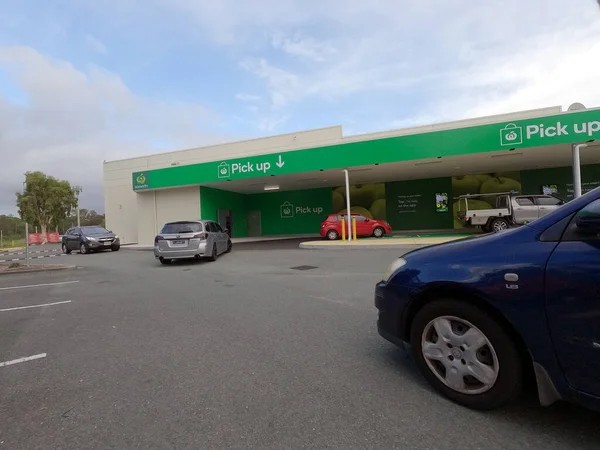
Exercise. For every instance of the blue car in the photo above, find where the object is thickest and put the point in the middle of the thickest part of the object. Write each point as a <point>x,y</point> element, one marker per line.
<point>486,316</point>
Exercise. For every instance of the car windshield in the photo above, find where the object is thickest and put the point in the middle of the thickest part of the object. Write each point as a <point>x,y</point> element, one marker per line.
<point>93,231</point>
<point>181,228</point>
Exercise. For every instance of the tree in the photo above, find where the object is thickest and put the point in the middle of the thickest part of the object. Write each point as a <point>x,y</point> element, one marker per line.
<point>87,217</point>
<point>12,227</point>
<point>46,201</point>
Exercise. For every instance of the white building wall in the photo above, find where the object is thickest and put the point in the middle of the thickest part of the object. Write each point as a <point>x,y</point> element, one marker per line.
<point>146,217</point>
<point>120,201</point>
<point>177,204</point>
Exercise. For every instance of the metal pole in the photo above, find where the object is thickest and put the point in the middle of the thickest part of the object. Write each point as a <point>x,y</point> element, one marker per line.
<point>78,190</point>
<point>577,170</point>
<point>27,243</point>
<point>349,220</point>
<point>1,240</point>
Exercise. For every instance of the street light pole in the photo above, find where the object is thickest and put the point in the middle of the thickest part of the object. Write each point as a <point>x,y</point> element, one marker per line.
<point>26,232</point>
<point>77,190</point>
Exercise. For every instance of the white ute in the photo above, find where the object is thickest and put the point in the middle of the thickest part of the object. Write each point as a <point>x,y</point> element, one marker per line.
<point>510,210</point>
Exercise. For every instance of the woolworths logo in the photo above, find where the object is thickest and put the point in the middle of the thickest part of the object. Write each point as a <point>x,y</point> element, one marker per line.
<point>140,182</point>
<point>289,211</point>
<point>513,134</point>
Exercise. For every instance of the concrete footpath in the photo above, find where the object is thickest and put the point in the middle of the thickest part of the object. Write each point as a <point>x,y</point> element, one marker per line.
<point>373,243</point>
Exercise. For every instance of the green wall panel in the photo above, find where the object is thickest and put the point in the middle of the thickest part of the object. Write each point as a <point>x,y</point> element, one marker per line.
<point>411,205</point>
<point>211,200</point>
<point>562,177</point>
<point>292,212</point>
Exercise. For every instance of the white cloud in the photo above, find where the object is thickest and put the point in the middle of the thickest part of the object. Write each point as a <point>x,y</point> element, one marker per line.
<point>95,45</point>
<point>476,56</point>
<point>303,47</point>
<point>247,97</point>
<point>455,59</point>
<point>73,119</point>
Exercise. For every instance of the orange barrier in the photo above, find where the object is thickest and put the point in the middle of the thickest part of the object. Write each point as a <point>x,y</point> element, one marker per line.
<point>36,238</point>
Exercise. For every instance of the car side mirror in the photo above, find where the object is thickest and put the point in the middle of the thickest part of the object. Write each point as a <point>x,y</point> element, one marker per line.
<point>226,231</point>
<point>588,221</point>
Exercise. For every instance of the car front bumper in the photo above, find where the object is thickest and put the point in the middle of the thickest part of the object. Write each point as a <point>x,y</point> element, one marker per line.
<point>176,253</point>
<point>391,302</point>
<point>99,245</point>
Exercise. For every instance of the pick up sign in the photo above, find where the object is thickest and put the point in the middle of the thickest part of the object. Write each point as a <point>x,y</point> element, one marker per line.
<point>512,134</point>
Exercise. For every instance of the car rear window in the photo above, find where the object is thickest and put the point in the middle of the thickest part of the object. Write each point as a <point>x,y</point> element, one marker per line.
<point>182,227</point>
<point>549,201</point>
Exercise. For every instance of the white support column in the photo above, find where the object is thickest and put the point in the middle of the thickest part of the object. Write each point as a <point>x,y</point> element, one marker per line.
<point>348,204</point>
<point>577,170</point>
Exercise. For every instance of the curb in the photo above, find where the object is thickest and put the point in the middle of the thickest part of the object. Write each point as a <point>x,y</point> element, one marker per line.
<point>309,246</point>
<point>33,269</point>
<point>136,249</point>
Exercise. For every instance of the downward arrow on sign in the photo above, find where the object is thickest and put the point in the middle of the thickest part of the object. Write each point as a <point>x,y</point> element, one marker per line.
<point>280,163</point>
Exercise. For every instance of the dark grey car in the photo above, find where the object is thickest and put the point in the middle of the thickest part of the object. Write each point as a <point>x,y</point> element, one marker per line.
<point>191,239</point>
<point>89,239</point>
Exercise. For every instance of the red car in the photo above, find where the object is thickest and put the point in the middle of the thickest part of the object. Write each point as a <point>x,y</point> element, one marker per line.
<point>331,228</point>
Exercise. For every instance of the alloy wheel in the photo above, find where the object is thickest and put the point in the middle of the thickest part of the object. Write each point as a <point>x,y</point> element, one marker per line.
<point>460,355</point>
<point>500,225</point>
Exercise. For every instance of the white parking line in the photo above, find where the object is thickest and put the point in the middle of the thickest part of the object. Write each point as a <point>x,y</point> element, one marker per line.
<point>38,285</point>
<point>20,360</point>
<point>35,306</point>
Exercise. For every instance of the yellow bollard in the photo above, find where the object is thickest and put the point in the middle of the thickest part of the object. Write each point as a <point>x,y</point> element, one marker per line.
<point>354,228</point>
<point>343,229</point>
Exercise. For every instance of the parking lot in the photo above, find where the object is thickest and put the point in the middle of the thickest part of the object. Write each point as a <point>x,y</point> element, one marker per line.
<point>268,347</point>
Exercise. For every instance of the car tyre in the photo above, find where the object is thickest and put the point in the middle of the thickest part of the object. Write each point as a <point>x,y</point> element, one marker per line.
<point>214,255</point>
<point>486,228</point>
<point>164,261</point>
<point>115,249</point>
<point>83,249</point>
<point>332,235</point>
<point>378,232</point>
<point>65,250</point>
<point>500,225</point>
<point>229,246</point>
<point>485,350</point>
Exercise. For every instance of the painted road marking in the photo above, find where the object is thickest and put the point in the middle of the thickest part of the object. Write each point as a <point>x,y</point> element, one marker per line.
<point>56,250</point>
<point>23,258</point>
<point>38,285</point>
<point>20,360</point>
<point>35,306</point>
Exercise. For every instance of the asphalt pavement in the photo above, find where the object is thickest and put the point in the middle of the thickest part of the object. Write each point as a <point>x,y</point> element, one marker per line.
<point>267,348</point>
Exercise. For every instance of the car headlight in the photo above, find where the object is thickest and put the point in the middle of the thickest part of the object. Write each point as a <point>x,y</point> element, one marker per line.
<point>91,239</point>
<point>397,264</point>
<point>116,238</point>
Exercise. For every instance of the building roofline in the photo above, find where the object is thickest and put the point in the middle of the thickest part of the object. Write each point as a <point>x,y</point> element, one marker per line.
<point>221,144</point>
<point>421,129</point>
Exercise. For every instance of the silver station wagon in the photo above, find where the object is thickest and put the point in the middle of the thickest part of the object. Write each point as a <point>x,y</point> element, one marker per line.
<point>191,239</point>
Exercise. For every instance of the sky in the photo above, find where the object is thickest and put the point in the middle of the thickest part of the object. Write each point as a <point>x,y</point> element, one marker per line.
<point>84,81</point>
